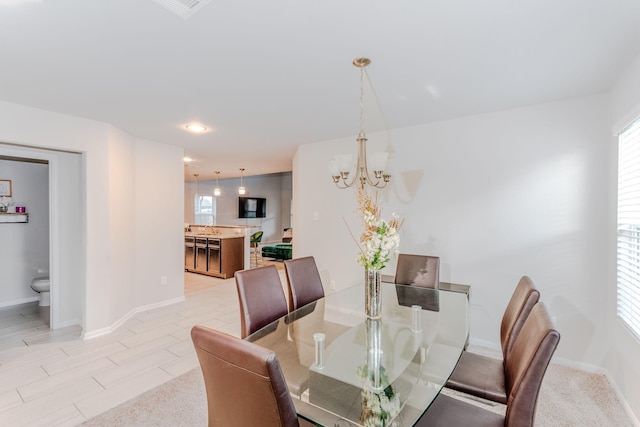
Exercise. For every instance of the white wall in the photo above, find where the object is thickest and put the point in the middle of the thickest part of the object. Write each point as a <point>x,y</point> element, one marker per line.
<point>105,216</point>
<point>122,222</point>
<point>524,191</point>
<point>496,196</point>
<point>623,353</point>
<point>25,247</point>
<point>159,236</point>
<point>68,231</point>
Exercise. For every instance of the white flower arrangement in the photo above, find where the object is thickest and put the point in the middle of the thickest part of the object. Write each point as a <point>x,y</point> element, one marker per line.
<point>379,408</point>
<point>380,239</point>
<point>5,201</point>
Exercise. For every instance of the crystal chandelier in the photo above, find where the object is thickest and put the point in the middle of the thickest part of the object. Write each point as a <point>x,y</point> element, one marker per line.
<point>341,164</point>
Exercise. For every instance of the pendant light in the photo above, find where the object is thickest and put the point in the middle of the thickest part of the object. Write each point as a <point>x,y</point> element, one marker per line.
<point>241,190</point>
<point>196,175</point>
<point>197,197</point>
<point>216,191</point>
<point>342,163</point>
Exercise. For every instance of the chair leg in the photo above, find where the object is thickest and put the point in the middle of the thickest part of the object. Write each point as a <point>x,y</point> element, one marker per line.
<point>259,255</point>
<point>256,254</point>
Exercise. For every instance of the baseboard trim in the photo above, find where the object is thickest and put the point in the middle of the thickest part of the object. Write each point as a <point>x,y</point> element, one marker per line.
<point>18,301</point>
<point>67,323</point>
<point>632,417</point>
<point>104,331</point>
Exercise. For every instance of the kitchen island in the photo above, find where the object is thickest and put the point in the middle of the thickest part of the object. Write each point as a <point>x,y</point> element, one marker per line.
<point>217,251</point>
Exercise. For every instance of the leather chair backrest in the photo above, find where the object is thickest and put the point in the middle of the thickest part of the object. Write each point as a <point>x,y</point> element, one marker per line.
<point>244,382</point>
<point>418,270</point>
<point>526,365</point>
<point>524,297</point>
<point>261,298</point>
<point>303,278</point>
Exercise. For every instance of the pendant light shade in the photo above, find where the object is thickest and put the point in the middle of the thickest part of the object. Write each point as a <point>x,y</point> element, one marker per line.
<point>216,191</point>
<point>241,189</point>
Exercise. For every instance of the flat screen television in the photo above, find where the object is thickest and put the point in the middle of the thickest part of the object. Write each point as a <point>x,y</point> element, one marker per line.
<point>252,207</point>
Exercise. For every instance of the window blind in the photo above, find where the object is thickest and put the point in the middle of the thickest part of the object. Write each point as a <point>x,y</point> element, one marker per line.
<point>628,266</point>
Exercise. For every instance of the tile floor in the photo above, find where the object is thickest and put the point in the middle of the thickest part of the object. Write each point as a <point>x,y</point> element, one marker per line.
<point>53,378</point>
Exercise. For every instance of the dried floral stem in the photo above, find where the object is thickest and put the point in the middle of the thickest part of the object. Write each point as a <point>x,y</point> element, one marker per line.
<point>379,238</point>
<point>353,236</point>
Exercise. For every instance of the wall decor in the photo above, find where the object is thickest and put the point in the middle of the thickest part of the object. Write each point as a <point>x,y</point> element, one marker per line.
<point>5,187</point>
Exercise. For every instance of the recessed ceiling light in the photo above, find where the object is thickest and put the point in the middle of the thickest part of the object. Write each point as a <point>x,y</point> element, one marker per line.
<point>196,128</point>
<point>187,159</point>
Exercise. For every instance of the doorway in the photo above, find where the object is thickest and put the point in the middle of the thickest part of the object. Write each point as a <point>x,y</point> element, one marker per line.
<point>49,185</point>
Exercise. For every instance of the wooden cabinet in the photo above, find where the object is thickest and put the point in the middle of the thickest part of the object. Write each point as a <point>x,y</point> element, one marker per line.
<point>215,256</point>
<point>231,256</point>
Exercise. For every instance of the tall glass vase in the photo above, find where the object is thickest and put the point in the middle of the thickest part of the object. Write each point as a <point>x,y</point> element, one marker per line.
<point>374,353</point>
<point>372,299</point>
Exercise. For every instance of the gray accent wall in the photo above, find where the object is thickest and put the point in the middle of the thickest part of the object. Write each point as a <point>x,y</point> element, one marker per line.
<point>276,188</point>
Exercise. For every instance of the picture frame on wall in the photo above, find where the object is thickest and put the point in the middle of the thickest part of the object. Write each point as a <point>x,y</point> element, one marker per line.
<point>5,187</point>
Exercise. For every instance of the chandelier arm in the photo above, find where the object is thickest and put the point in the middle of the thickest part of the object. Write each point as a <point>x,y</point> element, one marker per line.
<point>356,175</point>
<point>351,182</point>
<point>343,186</point>
<point>377,183</point>
<point>363,170</point>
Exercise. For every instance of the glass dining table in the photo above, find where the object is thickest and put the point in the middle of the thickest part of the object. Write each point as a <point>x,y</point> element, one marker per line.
<point>344,369</point>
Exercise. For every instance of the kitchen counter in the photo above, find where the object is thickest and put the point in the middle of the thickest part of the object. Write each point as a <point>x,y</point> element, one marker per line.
<point>226,235</point>
<point>218,253</point>
<point>220,231</point>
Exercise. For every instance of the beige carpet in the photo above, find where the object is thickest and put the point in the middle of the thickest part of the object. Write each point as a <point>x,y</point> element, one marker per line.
<point>179,402</point>
<point>568,397</point>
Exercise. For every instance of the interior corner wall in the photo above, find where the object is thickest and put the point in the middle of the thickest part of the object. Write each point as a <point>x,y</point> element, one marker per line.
<point>495,196</point>
<point>624,352</point>
<point>158,219</point>
<point>122,226</point>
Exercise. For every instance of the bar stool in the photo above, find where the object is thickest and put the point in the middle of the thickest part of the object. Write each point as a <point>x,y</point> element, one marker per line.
<point>256,250</point>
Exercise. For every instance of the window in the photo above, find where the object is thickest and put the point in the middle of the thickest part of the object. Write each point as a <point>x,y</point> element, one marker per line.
<point>205,210</point>
<point>629,227</point>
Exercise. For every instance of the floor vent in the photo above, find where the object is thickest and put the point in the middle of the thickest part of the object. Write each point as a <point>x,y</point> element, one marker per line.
<point>183,8</point>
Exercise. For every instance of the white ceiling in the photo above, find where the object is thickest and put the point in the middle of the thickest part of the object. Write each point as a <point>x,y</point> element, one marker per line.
<point>266,76</point>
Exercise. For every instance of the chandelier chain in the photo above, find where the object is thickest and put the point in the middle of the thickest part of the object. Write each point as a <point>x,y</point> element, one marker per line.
<point>362,71</point>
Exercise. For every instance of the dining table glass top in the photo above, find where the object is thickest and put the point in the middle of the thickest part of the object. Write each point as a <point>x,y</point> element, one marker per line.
<point>344,369</point>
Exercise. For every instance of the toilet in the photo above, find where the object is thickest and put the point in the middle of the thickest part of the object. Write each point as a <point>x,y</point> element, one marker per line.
<point>42,286</point>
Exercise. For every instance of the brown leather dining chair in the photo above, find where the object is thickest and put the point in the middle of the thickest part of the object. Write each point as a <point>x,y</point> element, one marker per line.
<point>303,280</point>
<point>524,372</point>
<point>484,376</point>
<point>244,382</point>
<point>418,270</point>
<point>421,271</point>
<point>261,298</point>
